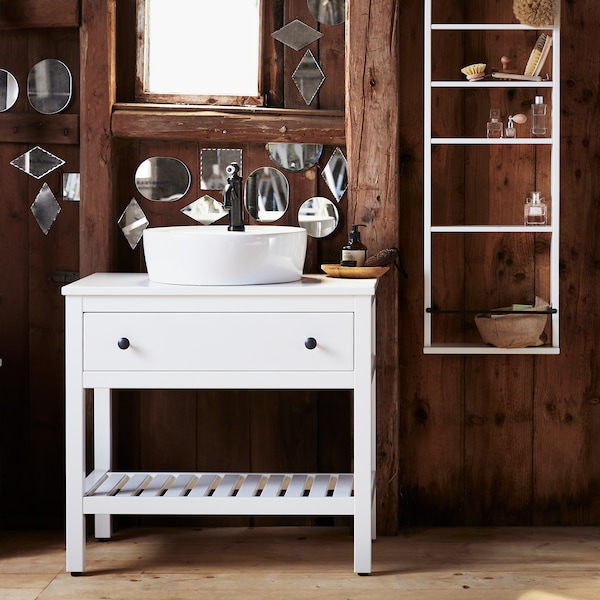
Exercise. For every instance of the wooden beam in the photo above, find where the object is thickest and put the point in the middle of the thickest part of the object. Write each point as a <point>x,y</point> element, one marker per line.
<point>239,125</point>
<point>39,13</point>
<point>373,160</point>
<point>98,89</point>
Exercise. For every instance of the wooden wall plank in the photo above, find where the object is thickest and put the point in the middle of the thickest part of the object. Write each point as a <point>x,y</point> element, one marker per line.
<point>39,13</point>
<point>567,406</point>
<point>373,158</point>
<point>97,233</point>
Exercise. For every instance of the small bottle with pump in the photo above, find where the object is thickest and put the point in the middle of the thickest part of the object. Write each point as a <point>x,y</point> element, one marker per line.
<point>510,132</point>
<point>495,126</point>
<point>538,117</point>
<point>355,253</point>
<point>536,212</point>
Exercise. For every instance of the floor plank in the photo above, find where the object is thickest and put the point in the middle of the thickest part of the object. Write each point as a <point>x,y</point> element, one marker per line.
<point>307,562</point>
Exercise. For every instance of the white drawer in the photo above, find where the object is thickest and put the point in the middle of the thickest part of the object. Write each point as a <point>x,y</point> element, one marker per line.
<point>218,341</point>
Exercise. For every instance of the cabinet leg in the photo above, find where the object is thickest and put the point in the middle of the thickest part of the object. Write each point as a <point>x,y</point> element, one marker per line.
<point>103,527</point>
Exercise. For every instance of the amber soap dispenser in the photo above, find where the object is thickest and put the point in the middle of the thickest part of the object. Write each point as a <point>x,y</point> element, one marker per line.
<point>355,253</point>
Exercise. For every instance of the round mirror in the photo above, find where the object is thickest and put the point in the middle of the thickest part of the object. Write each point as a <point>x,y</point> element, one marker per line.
<point>319,216</point>
<point>162,179</point>
<point>49,86</point>
<point>9,90</point>
<point>267,194</point>
<point>295,157</point>
<point>328,12</point>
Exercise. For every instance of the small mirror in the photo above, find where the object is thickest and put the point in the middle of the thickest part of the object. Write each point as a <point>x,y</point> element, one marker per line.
<point>49,86</point>
<point>308,77</point>
<point>295,157</point>
<point>205,210</point>
<point>9,90</point>
<point>132,223</point>
<point>45,208</point>
<point>335,174</point>
<point>37,162</point>
<point>213,162</point>
<point>267,194</point>
<point>319,216</point>
<point>71,186</point>
<point>163,179</point>
<point>328,12</point>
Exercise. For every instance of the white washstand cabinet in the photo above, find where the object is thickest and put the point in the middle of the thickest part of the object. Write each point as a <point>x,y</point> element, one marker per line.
<point>125,332</point>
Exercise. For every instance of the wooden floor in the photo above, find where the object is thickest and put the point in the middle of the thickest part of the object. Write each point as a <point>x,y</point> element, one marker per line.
<point>297,562</point>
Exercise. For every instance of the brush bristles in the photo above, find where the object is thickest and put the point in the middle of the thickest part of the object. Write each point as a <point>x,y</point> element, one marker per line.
<point>535,55</point>
<point>535,13</point>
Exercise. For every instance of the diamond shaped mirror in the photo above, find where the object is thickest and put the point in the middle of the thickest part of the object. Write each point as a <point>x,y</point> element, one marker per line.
<point>297,34</point>
<point>308,77</point>
<point>45,208</point>
<point>37,162</point>
<point>335,174</point>
<point>205,210</point>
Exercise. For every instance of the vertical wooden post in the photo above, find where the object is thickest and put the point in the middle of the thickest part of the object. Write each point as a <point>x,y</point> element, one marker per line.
<point>373,161</point>
<point>98,91</point>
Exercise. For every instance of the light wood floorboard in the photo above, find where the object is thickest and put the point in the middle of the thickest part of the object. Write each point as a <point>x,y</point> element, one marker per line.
<point>308,562</point>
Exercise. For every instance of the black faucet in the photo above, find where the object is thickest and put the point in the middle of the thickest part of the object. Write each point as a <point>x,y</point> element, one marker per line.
<point>232,198</point>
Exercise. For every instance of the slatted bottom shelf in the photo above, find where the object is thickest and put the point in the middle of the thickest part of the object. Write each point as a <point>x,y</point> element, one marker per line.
<point>219,493</point>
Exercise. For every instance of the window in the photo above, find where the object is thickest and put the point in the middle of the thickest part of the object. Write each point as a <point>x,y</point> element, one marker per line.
<point>199,51</point>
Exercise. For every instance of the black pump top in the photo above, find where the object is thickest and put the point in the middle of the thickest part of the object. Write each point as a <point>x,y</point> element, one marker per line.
<point>355,233</point>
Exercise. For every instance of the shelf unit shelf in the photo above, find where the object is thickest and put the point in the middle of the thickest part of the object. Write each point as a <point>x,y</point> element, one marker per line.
<point>550,87</point>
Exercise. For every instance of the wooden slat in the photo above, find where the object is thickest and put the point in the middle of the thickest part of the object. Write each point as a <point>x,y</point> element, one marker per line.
<point>180,486</point>
<point>204,485</point>
<point>320,486</point>
<point>273,486</point>
<point>159,483</point>
<point>39,129</point>
<point>226,486</point>
<point>249,488</point>
<point>343,487</point>
<point>297,486</point>
<point>132,487</point>
<point>111,485</point>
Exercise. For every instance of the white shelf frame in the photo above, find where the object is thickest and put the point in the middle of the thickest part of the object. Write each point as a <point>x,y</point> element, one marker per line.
<point>430,230</point>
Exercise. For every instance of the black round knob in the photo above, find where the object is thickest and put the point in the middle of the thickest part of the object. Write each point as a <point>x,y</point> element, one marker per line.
<point>310,343</point>
<point>123,343</point>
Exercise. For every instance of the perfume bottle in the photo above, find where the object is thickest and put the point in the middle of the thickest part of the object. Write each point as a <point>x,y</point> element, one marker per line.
<point>538,117</point>
<point>535,210</point>
<point>510,131</point>
<point>495,127</point>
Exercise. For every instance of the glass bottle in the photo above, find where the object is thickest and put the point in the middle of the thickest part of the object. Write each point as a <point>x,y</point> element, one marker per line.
<point>538,117</point>
<point>536,210</point>
<point>510,131</point>
<point>495,127</point>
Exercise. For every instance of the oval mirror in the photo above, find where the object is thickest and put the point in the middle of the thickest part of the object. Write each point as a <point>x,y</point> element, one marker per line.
<point>328,12</point>
<point>162,179</point>
<point>319,216</point>
<point>49,86</point>
<point>9,90</point>
<point>295,157</point>
<point>267,194</point>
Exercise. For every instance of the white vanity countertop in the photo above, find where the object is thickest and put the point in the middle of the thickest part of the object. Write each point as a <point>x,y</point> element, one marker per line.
<point>138,284</point>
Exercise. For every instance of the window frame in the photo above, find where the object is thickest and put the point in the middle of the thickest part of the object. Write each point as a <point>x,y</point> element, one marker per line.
<point>141,95</point>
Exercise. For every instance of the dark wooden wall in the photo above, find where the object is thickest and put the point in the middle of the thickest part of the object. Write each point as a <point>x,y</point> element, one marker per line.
<point>461,440</point>
<point>506,440</point>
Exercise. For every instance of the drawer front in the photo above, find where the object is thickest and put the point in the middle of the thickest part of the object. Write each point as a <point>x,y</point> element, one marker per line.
<point>218,342</point>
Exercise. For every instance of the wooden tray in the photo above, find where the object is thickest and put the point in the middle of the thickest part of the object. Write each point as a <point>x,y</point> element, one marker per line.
<point>354,272</point>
